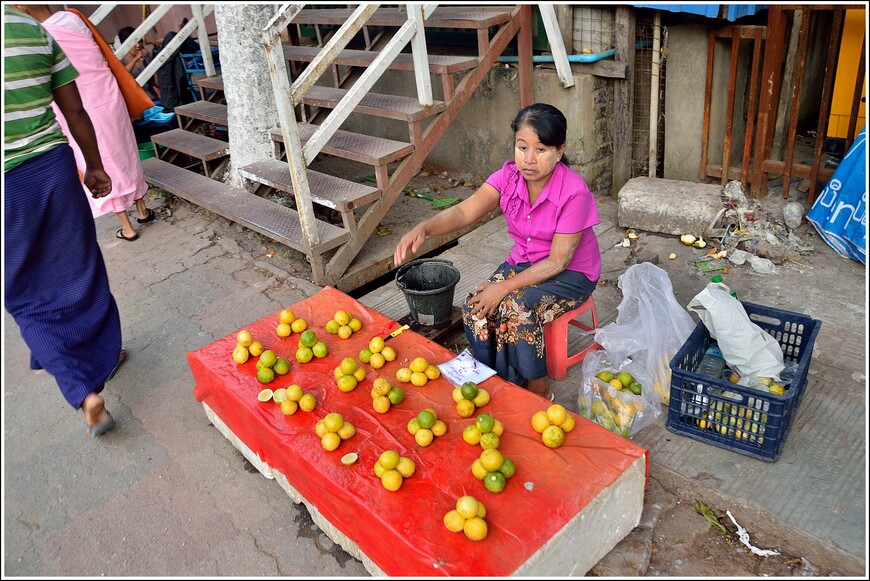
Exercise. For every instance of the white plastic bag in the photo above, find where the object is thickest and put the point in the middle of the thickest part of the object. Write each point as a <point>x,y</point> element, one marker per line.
<point>650,328</point>
<point>746,347</point>
<point>619,411</point>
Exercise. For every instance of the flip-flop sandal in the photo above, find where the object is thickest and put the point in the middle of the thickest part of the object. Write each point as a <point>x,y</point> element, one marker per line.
<point>120,234</point>
<point>149,218</point>
<point>104,426</point>
<point>122,356</point>
<point>552,396</point>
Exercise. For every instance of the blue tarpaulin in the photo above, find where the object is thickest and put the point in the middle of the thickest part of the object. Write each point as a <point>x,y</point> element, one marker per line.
<point>734,11</point>
<point>840,212</point>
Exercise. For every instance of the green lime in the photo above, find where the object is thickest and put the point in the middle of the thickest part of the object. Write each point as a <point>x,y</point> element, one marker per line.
<point>268,358</point>
<point>396,395</point>
<point>485,423</point>
<point>605,376</point>
<point>320,349</point>
<point>508,468</point>
<point>426,419</point>
<point>308,338</point>
<point>635,387</point>
<point>469,390</point>
<point>281,367</point>
<point>265,375</point>
<point>494,481</point>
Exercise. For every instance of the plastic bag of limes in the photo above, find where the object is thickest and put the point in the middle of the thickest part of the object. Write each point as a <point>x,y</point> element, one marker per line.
<point>616,398</point>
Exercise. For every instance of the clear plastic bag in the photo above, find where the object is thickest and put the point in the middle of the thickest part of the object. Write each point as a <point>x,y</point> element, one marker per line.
<point>650,328</point>
<point>619,411</point>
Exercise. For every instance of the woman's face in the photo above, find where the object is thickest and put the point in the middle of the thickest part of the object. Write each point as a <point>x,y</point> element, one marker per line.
<point>535,160</point>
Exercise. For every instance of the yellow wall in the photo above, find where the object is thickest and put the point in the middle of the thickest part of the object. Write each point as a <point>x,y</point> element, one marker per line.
<point>854,31</point>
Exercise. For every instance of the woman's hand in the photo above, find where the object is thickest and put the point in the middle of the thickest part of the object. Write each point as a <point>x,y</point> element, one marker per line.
<point>410,243</point>
<point>487,298</point>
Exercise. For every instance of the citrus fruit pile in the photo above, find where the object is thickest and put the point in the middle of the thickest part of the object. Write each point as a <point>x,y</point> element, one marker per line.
<point>553,423</point>
<point>332,429</point>
<point>467,517</point>
<point>269,365</point>
<point>290,399</point>
<point>494,469</point>
<point>348,374</point>
<point>310,347</point>
<point>621,380</point>
<point>486,431</point>
<point>392,469</point>
<point>612,409</point>
<point>426,426</point>
<point>343,324</point>
<point>468,398</point>
<point>246,347</point>
<point>384,395</point>
<point>377,354</point>
<point>289,324</point>
<point>418,372</point>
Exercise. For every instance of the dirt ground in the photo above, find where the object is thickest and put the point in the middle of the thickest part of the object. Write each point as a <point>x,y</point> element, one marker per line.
<point>682,544</point>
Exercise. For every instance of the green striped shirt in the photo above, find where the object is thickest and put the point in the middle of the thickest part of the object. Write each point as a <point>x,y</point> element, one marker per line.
<point>33,66</point>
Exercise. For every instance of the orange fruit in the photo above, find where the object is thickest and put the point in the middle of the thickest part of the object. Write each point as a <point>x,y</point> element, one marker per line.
<point>471,435</point>
<point>491,459</point>
<point>389,459</point>
<point>424,437</point>
<point>289,407</point>
<point>298,325</point>
<point>344,332</point>
<point>283,330</point>
<point>307,402</point>
<point>556,414</point>
<point>389,353</point>
<point>540,421</point>
<point>432,372</point>
<point>392,480</point>
<point>419,378</point>
<point>489,441</point>
<point>568,424</point>
<point>466,506</point>
<point>240,354</point>
<point>286,316</point>
<point>553,437</point>
<point>320,349</point>
<point>333,421</point>
<point>403,374</point>
<point>346,430</point>
<point>320,429</point>
<point>498,428</point>
<point>475,528</point>
<point>354,324</point>
<point>477,469</point>
<point>457,395</point>
<point>304,354</point>
<point>381,404</point>
<point>454,521</point>
<point>376,344</point>
<point>244,338</point>
<point>465,408</point>
<point>347,383</point>
<point>256,348</point>
<point>332,327</point>
<point>419,365</point>
<point>406,467</point>
<point>377,360</point>
<point>341,317</point>
<point>381,386</point>
<point>360,373</point>
<point>413,426</point>
<point>481,399</point>
<point>348,365</point>
<point>439,428</point>
<point>330,441</point>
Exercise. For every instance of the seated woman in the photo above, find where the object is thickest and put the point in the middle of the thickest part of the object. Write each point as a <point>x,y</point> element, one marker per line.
<point>555,261</point>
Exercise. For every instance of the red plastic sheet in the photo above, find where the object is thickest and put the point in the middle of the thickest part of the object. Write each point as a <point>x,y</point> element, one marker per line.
<point>403,532</point>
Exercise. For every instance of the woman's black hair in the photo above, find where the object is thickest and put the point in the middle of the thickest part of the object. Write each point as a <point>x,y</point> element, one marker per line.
<point>547,122</point>
<point>125,33</point>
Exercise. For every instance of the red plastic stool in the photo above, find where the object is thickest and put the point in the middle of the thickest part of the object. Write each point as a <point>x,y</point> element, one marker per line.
<point>556,340</point>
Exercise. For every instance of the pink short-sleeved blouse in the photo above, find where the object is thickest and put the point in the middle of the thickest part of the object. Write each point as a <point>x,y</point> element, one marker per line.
<point>566,206</point>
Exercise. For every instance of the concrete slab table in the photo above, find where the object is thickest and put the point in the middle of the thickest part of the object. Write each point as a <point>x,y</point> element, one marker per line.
<point>561,512</point>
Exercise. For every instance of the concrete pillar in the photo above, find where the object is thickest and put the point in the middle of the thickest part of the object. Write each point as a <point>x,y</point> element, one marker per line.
<point>250,100</point>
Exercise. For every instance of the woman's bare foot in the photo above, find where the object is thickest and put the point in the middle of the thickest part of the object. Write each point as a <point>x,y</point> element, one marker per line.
<point>539,387</point>
<point>95,410</point>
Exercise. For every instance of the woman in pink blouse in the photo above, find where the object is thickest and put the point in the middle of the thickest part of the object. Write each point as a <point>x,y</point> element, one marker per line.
<point>554,264</point>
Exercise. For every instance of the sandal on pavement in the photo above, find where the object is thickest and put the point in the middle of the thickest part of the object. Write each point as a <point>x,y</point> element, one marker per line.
<point>120,234</point>
<point>103,426</point>
<point>122,356</point>
<point>150,217</point>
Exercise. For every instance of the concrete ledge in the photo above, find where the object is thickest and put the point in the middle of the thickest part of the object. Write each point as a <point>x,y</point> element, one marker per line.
<point>668,206</point>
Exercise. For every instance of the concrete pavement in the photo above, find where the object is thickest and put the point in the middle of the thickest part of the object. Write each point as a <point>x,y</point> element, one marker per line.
<point>165,494</point>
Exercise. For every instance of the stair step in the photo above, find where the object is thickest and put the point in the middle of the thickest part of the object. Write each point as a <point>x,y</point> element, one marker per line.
<point>438,64</point>
<point>215,83</point>
<point>367,149</point>
<point>271,219</point>
<point>473,17</point>
<point>204,111</point>
<point>192,144</point>
<point>326,190</point>
<point>376,104</point>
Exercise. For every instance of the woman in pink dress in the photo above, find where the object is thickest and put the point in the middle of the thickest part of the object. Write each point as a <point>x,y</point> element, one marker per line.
<point>103,101</point>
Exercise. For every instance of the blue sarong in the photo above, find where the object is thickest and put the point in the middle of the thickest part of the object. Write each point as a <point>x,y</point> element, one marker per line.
<point>840,212</point>
<point>511,341</point>
<point>56,285</point>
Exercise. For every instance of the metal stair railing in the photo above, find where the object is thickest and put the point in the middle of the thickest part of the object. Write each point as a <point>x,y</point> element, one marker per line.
<point>198,11</point>
<point>288,96</point>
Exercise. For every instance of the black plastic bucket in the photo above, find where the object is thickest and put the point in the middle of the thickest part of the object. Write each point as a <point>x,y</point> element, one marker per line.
<point>428,284</point>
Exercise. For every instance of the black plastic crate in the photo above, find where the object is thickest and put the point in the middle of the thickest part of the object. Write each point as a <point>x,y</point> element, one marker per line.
<point>736,417</point>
